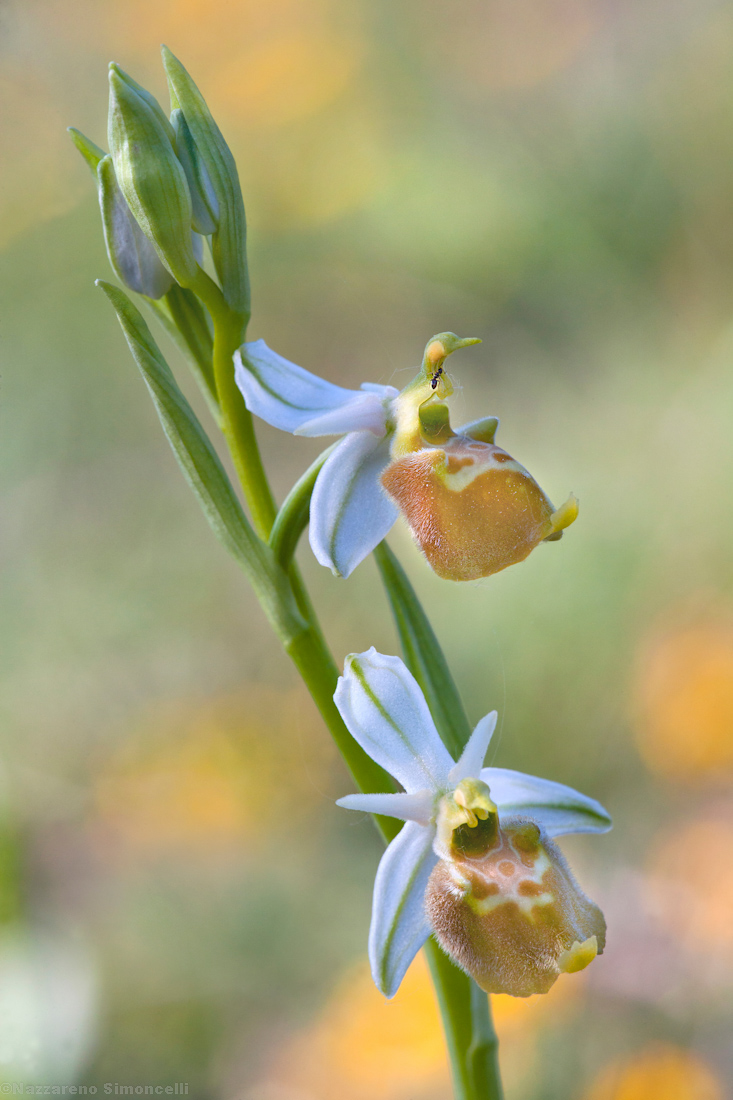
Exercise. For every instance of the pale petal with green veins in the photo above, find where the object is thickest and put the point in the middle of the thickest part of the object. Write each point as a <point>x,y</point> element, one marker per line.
<point>385,711</point>
<point>349,512</point>
<point>560,810</point>
<point>288,397</point>
<point>399,926</point>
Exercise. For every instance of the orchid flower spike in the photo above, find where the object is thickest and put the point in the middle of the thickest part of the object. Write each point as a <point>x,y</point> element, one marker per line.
<point>472,509</point>
<point>475,862</point>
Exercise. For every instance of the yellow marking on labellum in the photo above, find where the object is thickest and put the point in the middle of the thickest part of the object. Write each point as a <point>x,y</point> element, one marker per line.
<point>578,956</point>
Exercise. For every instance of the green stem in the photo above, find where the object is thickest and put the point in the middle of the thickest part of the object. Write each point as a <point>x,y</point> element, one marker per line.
<point>307,648</point>
<point>229,330</point>
<point>469,1030</point>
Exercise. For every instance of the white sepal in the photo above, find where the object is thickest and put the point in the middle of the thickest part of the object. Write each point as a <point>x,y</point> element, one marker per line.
<point>350,513</point>
<point>558,809</point>
<point>364,412</point>
<point>385,711</point>
<point>282,393</point>
<point>472,757</point>
<point>399,926</point>
<point>419,807</point>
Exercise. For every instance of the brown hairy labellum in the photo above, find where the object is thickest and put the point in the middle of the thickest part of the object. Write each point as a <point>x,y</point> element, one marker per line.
<point>513,917</point>
<point>472,509</point>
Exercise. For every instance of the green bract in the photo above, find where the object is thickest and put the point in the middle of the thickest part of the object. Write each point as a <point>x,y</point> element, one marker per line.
<point>92,153</point>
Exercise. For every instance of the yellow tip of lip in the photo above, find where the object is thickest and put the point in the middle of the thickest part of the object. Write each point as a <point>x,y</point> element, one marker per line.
<point>566,514</point>
<point>578,956</point>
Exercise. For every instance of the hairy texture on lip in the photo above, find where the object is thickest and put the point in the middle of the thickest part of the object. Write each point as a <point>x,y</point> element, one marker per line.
<point>472,509</point>
<point>514,918</point>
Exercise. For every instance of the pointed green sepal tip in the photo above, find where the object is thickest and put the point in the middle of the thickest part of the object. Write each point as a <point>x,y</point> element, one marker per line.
<point>149,174</point>
<point>92,153</point>
<point>144,94</point>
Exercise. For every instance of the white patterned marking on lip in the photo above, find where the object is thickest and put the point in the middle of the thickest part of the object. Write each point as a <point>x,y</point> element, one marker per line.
<point>509,884</point>
<point>481,458</point>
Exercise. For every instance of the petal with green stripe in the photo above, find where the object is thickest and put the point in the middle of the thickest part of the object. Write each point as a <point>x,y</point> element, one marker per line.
<point>559,809</point>
<point>385,711</point>
<point>399,926</point>
<point>289,397</point>
<point>350,513</point>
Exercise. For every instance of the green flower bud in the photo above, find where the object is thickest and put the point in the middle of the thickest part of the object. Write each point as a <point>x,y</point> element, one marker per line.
<point>203,198</point>
<point>150,175</point>
<point>92,153</point>
<point>131,254</point>
<point>502,900</point>
<point>151,101</point>
<point>229,241</point>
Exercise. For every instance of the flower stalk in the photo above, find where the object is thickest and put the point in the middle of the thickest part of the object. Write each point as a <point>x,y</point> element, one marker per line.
<point>229,330</point>
<point>165,186</point>
<point>466,1016</point>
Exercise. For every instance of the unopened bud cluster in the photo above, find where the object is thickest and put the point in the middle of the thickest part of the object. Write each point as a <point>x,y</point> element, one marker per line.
<point>165,184</point>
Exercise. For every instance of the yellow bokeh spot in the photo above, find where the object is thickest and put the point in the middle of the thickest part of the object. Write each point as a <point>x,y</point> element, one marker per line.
<point>691,885</point>
<point>327,167</point>
<point>661,1072</point>
<point>365,1047</point>
<point>684,708</point>
<point>198,777</point>
<point>287,78</point>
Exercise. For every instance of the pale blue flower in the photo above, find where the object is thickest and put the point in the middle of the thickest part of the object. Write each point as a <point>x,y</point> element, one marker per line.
<point>350,512</point>
<point>386,712</point>
<point>472,509</point>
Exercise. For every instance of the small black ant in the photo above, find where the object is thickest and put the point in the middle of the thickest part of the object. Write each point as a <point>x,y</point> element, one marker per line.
<point>434,379</point>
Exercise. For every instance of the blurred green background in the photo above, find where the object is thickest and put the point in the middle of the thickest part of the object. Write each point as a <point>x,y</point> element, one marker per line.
<point>181,900</point>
